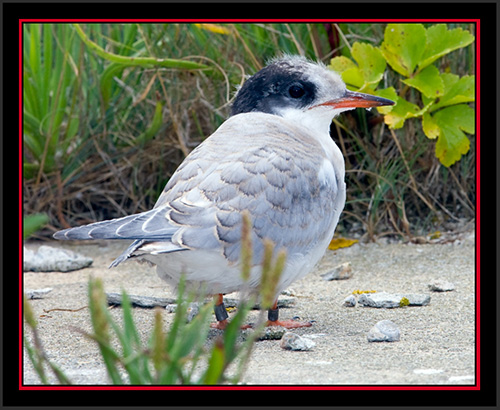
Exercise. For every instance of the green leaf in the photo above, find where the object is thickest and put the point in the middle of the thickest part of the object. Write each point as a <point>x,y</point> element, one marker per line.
<point>403,46</point>
<point>430,127</point>
<point>353,78</point>
<point>456,91</point>
<point>106,81</point>
<point>370,61</point>
<point>348,70</point>
<point>130,341</point>
<point>216,364</point>
<point>194,333</point>
<point>452,142</point>
<point>340,64</point>
<point>400,113</point>
<point>369,69</point>
<point>389,93</point>
<point>33,223</point>
<point>154,127</point>
<point>428,82</point>
<point>441,41</point>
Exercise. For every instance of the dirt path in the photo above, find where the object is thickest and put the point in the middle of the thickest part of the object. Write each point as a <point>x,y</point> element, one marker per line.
<point>437,343</point>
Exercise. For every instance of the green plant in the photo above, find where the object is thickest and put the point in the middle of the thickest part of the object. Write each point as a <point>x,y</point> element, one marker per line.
<point>438,98</point>
<point>51,120</point>
<point>167,358</point>
<point>33,223</point>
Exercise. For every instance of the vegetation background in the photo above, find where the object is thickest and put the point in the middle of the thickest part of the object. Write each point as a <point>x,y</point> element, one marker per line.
<point>110,111</point>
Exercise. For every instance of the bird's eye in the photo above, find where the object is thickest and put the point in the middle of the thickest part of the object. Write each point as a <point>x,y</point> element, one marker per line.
<point>296,91</point>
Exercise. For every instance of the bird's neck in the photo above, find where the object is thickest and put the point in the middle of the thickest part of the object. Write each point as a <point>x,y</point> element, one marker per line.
<point>318,126</point>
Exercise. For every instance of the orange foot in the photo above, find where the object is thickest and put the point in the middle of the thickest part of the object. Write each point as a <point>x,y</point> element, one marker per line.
<point>289,324</point>
<point>222,324</point>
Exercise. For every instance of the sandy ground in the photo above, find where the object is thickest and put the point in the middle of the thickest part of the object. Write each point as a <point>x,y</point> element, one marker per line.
<point>437,343</point>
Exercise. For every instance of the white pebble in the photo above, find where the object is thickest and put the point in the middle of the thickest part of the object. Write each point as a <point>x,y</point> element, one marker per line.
<point>384,331</point>
<point>292,341</point>
<point>350,301</point>
<point>340,272</point>
<point>36,293</point>
<point>441,285</point>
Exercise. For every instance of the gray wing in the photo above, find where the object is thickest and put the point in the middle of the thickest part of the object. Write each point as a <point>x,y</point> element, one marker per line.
<point>268,168</point>
<point>276,172</point>
<point>150,225</point>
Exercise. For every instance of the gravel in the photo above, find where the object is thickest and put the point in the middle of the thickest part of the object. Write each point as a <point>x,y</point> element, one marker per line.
<point>437,344</point>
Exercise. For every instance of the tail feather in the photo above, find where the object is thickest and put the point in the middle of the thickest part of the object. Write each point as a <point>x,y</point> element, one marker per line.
<point>150,225</point>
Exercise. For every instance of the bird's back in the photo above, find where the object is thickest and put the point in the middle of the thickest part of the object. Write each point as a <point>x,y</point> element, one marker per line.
<point>263,164</point>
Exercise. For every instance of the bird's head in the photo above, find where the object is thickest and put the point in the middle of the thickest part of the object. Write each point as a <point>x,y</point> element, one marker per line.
<point>302,91</point>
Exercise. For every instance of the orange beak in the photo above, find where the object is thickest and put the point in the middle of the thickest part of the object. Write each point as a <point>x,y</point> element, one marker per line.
<point>352,99</point>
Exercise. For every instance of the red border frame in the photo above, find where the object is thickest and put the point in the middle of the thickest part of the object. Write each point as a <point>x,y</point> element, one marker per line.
<point>255,387</point>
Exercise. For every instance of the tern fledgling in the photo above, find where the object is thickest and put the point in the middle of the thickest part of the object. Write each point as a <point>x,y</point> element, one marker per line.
<point>274,158</point>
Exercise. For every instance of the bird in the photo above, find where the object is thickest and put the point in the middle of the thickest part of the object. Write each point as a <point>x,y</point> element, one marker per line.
<point>273,159</point>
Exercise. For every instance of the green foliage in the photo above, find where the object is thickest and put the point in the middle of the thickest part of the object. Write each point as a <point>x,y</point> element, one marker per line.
<point>441,98</point>
<point>51,120</point>
<point>33,223</point>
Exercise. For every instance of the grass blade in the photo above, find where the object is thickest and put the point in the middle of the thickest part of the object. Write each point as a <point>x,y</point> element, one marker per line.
<point>100,322</point>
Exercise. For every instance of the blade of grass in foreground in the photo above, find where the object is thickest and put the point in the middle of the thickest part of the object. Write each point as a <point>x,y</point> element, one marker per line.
<point>100,323</point>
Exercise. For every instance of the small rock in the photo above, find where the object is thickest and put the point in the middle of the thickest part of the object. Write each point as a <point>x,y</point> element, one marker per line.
<point>292,341</point>
<point>393,300</point>
<point>273,333</point>
<point>192,310</point>
<point>350,301</point>
<point>269,333</point>
<point>379,300</point>
<point>171,307</point>
<point>416,299</point>
<point>441,285</point>
<point>384,331</point>
<point>340,272</point>
<point>140,301</point>
<point>49,259</point>
<point>36,293</point>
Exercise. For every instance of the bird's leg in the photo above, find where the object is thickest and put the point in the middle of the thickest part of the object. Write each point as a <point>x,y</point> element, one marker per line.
<point>273,315</point>
<point>220,313</point>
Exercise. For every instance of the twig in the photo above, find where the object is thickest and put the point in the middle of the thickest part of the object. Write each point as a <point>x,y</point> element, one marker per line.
<point>412,179</point>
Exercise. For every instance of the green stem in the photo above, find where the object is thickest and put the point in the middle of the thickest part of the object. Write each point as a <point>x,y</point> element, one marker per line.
<point>137,61</point>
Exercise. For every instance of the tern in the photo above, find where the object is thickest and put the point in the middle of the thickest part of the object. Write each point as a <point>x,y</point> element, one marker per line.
<point>274,159</point>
